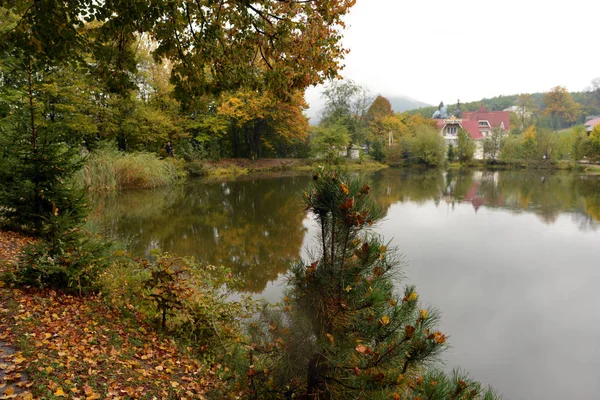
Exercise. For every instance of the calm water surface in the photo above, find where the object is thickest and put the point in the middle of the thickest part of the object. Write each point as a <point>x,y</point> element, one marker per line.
<point>511,259</point>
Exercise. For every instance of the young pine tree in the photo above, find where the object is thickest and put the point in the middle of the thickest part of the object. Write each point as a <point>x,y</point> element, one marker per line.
<point>38,155</point>
<point>343,331</point>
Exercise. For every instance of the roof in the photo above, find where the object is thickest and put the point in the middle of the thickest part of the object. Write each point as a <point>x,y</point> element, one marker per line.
<point>471,127</point>
<point>592,122</point>
<point>495,118</point>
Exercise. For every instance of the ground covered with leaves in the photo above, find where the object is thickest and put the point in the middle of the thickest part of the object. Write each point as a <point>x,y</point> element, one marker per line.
<point>60,346</point>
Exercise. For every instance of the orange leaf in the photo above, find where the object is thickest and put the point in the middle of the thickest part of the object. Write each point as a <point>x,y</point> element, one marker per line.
<point>361,349</point>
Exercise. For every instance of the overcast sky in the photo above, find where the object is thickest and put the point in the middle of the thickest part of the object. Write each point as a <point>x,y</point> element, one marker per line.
<point>433,50</point>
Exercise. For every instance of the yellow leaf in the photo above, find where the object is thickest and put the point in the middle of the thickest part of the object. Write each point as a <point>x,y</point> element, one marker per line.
<point>330,337</point>
<point>59,392</point>
<point>9,390</point>
<point>361,349</point>
<point>348,288</point>
<point>18,360</point>
<point>385,320</point>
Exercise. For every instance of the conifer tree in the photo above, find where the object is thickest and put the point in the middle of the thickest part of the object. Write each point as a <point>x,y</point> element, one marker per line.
<point>343,331</point>
<point>38,150</point>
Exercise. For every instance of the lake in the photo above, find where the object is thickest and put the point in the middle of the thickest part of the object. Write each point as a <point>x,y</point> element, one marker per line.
<point>510,258</point>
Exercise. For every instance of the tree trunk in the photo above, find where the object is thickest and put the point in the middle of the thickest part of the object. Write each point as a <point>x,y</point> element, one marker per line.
<point>256,139</point>
<point>31,107</point>
<point>314,381</point>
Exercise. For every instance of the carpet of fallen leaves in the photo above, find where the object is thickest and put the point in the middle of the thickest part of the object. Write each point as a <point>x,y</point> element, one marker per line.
<point>11,244</point>
<point>80,348</point>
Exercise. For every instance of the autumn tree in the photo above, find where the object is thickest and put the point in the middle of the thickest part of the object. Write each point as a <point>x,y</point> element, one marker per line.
<point>560,106</point>
<point>253,115</point>
<point>379,109</point>
<point>529,143</point>
<point>279,45</point>
<point>594,143</point>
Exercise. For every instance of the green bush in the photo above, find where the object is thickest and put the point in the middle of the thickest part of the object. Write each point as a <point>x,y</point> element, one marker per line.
<point>428,147</point>
<point>190,301</point>
<point>377,151</point>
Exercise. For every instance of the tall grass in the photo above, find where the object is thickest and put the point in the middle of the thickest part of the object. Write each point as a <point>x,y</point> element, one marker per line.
<point>109,169</point>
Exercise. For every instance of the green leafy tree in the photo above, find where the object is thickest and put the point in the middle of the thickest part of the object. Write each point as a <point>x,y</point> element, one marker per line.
<point>451,153</point>
<point>526,109</point>
<point>347,103</point>
<point>492,145</point>
<point>465,149</point>
<point>512,149</point>
<point>39,151</point>
<point>330,141</point>
<point>427,147</point>
<point>578,143</point>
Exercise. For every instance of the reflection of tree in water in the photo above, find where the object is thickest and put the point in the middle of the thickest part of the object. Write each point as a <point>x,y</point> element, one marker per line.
<point>252,226</point>
<point>543,193</point>
<point>399,185</point>
<point>255,226</point>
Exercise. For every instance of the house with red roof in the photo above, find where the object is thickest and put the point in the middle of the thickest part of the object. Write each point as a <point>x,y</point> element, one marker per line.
<point>478,124</point>
<point>591,123</point>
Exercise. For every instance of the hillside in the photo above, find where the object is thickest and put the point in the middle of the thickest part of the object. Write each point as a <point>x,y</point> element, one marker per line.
<point>404,103</point>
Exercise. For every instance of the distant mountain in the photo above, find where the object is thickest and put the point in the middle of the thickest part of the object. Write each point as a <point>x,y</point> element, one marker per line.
<point>404,103</point>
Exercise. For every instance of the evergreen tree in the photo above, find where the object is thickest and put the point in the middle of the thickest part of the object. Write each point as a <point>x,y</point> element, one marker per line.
<point>38,149</point>
<point>343,330</point>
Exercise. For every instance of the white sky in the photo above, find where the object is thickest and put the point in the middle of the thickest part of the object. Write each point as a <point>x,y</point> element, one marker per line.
<point>433,50</point>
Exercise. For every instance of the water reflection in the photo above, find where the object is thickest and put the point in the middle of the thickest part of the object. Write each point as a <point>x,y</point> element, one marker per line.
<point>255,226</point>
<point>546,195</point>
<point>252,226</point>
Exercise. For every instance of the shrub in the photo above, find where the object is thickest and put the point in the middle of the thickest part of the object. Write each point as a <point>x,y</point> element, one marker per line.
<point>428,147</point>
<point>377,150</point>
<point>185,299</point>
<point>394,156</point>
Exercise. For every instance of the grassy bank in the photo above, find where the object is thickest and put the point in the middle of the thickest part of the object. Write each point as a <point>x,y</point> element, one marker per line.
<point>233,167</point>
<point>562,165</point>
<point>109,169</point>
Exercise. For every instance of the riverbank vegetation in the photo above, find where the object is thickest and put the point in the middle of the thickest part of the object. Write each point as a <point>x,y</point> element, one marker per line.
<point>109,169</point>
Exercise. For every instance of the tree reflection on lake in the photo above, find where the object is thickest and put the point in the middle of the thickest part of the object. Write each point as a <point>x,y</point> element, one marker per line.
<point>510,258</point>
<point>255,226</point>
<point>252,226</point>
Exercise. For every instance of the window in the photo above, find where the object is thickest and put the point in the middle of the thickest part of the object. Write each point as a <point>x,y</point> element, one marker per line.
<point>484,122</point>
<point>450,130</point>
